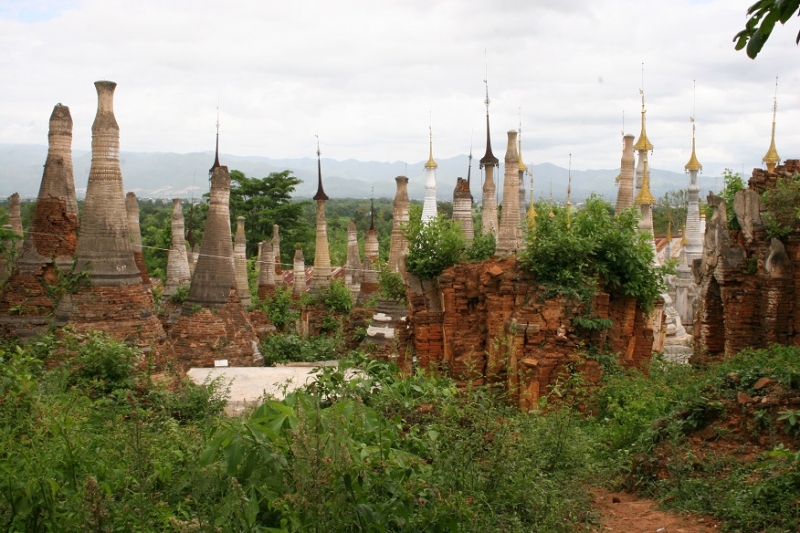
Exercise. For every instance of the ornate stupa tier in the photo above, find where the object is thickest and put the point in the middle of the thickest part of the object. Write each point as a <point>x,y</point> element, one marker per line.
<point>400,213</point>
<point>178,270</point>
<point>508,239</point>
<point>625,191</point>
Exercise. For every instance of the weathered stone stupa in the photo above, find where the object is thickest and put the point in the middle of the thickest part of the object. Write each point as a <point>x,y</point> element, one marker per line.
<point>398,247</point>
<point>114,299</point>
<point>213,328</point>
<point>488,163</point>
<point>299,273</point>
<point>429,209</point>
<point>266,271</point>
<point>178,266</point>
<point>371,248</point>
<point>352,271</point>
<point>625,191</point>
<point>15,219</point>
<point>462,208</point>
<point>51,242</point>
<point>321,277</point>
<point>508,239</point>
<point>135,232</point>
<point>240,263</point>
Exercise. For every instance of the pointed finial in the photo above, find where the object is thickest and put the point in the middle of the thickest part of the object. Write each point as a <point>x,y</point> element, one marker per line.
<point>643,143</point>
<point>431,163</point>
<point>469,168</point>
<point>320,196</point>
<point>645,196</point>
<point>522,167</point>
<point>216,149</point>
<point>772,159</point>
<point>488,158</point>
<point>693,163</point>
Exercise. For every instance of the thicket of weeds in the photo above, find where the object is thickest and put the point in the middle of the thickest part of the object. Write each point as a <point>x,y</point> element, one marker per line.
<point>88,442</point>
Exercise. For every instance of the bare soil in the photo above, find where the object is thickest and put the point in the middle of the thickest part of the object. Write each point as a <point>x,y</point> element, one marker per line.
<point>624,512</point>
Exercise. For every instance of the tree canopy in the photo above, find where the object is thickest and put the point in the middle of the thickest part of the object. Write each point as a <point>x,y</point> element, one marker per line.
<point>761,20</point>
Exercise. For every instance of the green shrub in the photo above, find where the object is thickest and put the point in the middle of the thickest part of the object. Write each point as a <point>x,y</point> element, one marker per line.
<point>102,365</point>
<point>392,285</point>
<point>279,308</point>
<point>291,348</point>
<point>433,245</point>
<point>336,297</point>
<point>481,249</point>
<point>733,184</point>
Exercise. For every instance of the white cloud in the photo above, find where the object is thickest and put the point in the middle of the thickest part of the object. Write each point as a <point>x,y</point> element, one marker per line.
<point>367,74</point>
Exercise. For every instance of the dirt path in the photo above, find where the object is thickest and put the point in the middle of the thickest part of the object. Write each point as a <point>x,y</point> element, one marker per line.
<point>623,512</point>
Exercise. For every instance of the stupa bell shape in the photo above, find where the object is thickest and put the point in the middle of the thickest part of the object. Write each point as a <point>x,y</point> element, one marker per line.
<point>398,247</point>
<point>240,263</point>
<point>692,231</point>
<point>105,250</point>
<point>771,158</point>
<point>214,274</point>
<point>626,170</point>
<point>508,239</point>
<point>50,244</point>
<point>429,209</point>
<point>178,267</point>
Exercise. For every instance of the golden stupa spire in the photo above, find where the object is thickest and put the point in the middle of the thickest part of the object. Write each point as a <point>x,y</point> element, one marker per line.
<point>431,163</point>
<point>645,196</point>
<point>693,163</point>
<point>772,158</point>
<point>522,167</point>
<point>643,143</point>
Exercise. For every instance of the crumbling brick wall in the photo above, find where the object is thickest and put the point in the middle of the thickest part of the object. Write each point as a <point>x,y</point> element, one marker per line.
<point>489,323</point>
<point>747,281</point>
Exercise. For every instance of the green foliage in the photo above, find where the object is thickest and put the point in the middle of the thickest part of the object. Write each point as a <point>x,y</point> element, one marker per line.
<point>279,308</point>
<point>481,249</point>
<point>392,285</point>
<point>596,248</point>
<point>336,297</point>
<point>292,348</point>
<point>180,294</point>
<point>762,17</point>
<point>733,184</point>
<point>433,245</point>
<point>671,207</point>
<point>102,365</point>
<point>783,206</point>
<point>265,202</point>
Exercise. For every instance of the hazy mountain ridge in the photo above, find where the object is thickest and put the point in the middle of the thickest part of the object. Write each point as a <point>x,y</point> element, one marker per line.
<point>167,175</point>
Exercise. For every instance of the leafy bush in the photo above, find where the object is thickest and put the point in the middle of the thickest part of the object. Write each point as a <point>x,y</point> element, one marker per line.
<point>103,365</point>
<point>280,309</point>
<point>433,245</point>
<point>481,249</point>
<point>180,294</point>
<point>291,348</point>
<point>733,184</point>
<point>392,285</point>
<point>595,249</point>
<point>783,205</point>
<point>336,297</point>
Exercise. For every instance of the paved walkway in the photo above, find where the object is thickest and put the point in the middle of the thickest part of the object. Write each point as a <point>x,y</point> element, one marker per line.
<point>250,384</point>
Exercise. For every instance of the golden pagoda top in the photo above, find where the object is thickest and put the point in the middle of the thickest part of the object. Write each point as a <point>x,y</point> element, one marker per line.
<point>772,158</point>
<point>431,163</point>
<point>645,196</point>
<point>693,163</point>
<point>643,143</point>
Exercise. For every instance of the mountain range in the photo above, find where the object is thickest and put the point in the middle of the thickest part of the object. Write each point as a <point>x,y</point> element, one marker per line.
<point>171,175</point>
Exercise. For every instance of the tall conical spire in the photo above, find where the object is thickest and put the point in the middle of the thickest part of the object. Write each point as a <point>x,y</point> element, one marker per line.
<point>772,159</point>
<point>429,208</point>
<point>643,143</point>
<point>489,158</point>
<point>469,166</point>
<point>320,191</point>
<point>216,148</point>
<point>693,163</point>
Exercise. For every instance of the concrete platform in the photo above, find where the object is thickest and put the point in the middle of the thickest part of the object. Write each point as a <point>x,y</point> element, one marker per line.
<point>249,385</point>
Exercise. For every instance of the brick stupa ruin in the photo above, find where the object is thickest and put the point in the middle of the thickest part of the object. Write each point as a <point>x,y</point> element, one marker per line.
<point>178,267</point>
<point>509,238</point>
<point>321,277</point>
<point>113,299</point>
<point>212,328</point>
<point>33,290</point>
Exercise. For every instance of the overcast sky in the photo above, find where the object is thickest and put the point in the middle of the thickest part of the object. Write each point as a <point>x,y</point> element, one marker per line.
<point>367,74</point>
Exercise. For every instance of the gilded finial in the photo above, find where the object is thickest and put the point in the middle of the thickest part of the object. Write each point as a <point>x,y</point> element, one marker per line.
<point>522,167</point>
<point>772,159</point>
<point>693,163</point>
<point>431,163</point>
<point>643,143</point>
